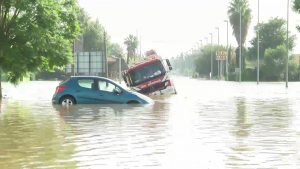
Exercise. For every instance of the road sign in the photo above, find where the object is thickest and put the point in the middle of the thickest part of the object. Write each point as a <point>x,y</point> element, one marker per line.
<point>221,55</point>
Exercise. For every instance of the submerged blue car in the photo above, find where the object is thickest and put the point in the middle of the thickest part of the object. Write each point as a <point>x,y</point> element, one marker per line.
<point>95,90</point>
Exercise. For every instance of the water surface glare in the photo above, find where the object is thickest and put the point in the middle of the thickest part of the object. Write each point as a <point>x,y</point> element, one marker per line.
<point>208,124</point>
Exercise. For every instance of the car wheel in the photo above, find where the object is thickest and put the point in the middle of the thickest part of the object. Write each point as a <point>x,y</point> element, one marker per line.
<point>67,101</point>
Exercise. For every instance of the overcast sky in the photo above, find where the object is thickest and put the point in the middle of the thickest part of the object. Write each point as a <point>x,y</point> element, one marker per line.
<point>175,26</point>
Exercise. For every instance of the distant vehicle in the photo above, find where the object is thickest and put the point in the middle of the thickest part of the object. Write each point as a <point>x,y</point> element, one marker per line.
<point>150,77</point>
<point>95,90</point>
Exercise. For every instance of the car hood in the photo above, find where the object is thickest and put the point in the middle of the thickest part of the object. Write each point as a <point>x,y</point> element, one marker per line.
<point>145,98</point>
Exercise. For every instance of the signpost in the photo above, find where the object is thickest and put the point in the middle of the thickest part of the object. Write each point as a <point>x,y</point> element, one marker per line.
<point>221,56</point>
<point>87,63</point>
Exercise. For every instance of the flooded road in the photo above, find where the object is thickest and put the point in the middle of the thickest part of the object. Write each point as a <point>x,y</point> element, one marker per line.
<point>208,124</point>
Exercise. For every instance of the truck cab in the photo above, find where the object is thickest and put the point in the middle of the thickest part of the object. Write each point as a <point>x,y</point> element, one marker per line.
<point>150,77</point>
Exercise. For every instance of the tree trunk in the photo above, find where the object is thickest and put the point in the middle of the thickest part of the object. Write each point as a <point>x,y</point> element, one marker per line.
<point>0,87</point>
<point>127,57</point>
<point>1,55</point>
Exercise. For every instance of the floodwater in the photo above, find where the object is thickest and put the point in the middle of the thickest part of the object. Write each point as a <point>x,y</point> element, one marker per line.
<point>208,124</point>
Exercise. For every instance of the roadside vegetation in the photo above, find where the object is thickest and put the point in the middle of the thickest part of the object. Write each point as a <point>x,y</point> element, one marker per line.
<point>38,37</point>
<point>273,58</point>
<point>34,35</point>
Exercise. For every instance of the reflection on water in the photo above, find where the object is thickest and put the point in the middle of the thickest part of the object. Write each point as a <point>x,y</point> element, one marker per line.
<point>28,140</point>
<point>120,136</point>
<point>209,124</point>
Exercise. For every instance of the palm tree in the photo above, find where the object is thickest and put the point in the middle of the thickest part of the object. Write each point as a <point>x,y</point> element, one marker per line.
<point>131,42</point>
<point>235,7</point>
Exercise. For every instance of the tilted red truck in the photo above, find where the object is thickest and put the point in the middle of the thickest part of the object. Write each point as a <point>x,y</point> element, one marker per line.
<point>151,76</point>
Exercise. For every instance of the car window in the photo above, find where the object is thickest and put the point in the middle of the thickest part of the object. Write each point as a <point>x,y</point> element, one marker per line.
<point>86,83</point>
<point>106,86</point>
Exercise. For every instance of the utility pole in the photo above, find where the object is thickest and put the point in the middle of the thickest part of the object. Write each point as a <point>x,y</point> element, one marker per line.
<point>211,57</point>
<point>0,85</point>
<point>120,69</point>
<point>1,54</point>
<point>219,70</point>
<point>105,55</point>
<point>287,46</point>
<point>227,51</point>
<point>140,46</point>
<point>240,49</point>
<point>258,42</point>
<point>119,59</point>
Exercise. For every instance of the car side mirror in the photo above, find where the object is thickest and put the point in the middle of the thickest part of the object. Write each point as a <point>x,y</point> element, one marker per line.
<point>117,91</point>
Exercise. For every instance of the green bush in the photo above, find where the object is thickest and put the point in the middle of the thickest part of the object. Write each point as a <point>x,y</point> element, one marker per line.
<point>249,75</point>
<point>232,76</point>
<point>294,72</point>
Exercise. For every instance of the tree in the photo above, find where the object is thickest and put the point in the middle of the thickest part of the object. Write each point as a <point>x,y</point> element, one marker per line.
<point>274,63</point>
<point>83,18</point>
<point>132,43</point>
<point>116,50</point>
<point>36,34</point>
<point>237,8</point>
<point>296,7</point>
<point>93,36</point>
<point>272,40</point>
<point>203,62</point>
<point>178,63</point>
<point>272,34</point>
<point>294,71</point>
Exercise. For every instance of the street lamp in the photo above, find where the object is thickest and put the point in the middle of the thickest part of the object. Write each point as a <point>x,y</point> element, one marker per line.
<point>227,50</point>
<point>240,49</point>
<point>105,54</point>
<point>258,42</point>
<point>211,57</point>
<point>219,71</point>
<point>287,46</point>
<point>218,35</point>
<point>206,38</point>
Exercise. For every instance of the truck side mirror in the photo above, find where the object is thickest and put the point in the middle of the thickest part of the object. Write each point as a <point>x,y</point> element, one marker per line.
<point>124,77</point>
<point>169,64</point>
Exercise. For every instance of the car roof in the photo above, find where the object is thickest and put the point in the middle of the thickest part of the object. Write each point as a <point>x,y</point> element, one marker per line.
<point>91,77</point>
<point>95,77</point>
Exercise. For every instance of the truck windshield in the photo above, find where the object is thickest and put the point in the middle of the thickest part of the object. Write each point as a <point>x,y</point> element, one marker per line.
<point>146,73</point>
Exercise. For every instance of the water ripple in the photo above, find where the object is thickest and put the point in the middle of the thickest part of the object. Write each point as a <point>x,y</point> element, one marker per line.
<point>209,124</point>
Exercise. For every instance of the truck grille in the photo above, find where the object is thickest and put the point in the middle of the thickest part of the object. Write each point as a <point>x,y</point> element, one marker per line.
<point>153,88</point>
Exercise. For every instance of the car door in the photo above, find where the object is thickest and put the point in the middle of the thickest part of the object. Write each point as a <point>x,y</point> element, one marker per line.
<point>108,94</point>
<point>86,91</point>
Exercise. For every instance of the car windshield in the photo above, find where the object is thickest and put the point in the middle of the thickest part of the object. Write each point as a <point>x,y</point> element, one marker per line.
<point>122,85</point>
<point>146,73</point>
